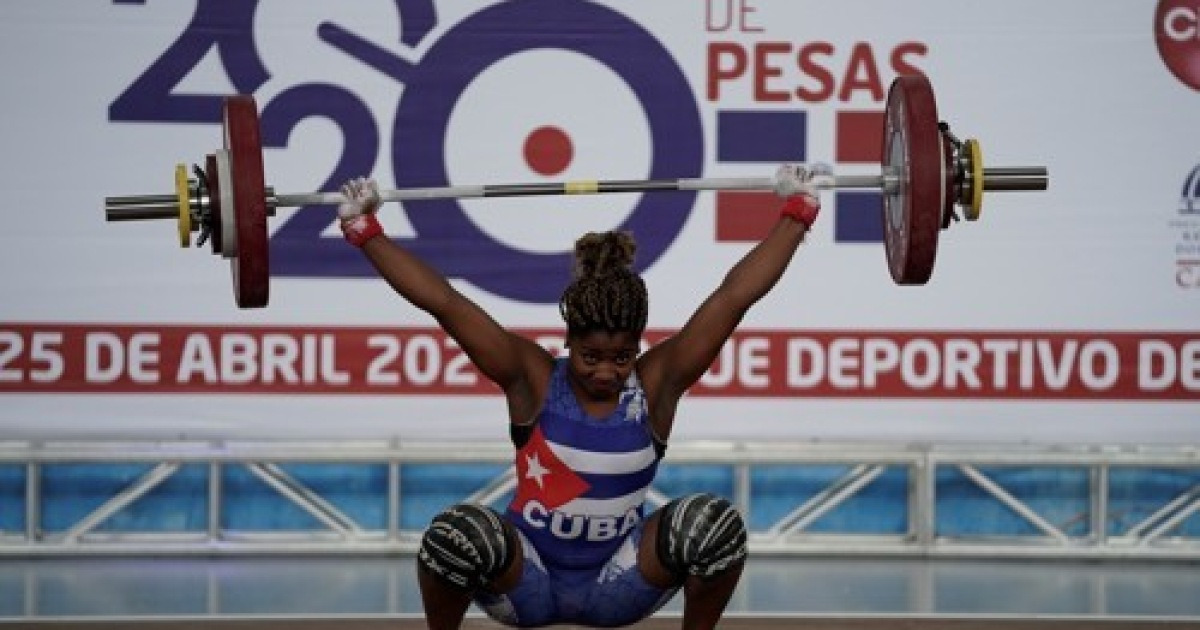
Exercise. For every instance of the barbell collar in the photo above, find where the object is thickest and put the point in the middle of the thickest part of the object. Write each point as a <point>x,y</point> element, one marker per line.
<point>142,207</point>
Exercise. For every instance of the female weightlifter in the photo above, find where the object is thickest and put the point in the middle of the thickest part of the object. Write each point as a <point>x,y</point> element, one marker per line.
<point>589,429</point>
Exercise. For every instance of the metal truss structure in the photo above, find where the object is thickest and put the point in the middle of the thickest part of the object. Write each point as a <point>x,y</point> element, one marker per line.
<point>1163,528</point>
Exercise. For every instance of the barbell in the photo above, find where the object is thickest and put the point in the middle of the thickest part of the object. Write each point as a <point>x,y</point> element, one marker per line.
<point>926,173</point>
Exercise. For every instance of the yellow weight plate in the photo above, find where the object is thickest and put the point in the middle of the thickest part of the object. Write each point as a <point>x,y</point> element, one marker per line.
<point>975,159</point>
<point>183,195</point>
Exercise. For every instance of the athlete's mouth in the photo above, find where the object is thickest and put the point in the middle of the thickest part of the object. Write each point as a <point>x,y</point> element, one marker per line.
<point>605,387</point>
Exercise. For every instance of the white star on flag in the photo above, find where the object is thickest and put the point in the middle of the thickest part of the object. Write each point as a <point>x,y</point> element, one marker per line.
<point>535,470</point>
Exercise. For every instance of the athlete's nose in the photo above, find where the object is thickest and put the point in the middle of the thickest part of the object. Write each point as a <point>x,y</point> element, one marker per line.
<point>606,374</point>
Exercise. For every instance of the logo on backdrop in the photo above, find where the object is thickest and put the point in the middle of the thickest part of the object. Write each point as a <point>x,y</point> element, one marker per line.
<point>1187,227</point>
<point>1177,33</point>
<point>445,236</point>
<point>738,58</point>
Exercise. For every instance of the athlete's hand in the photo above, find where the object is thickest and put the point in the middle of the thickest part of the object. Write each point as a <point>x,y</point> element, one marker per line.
<point>802,179</point>
<point>362,197</point>
<point>800,185</point>
<point>357,213</point>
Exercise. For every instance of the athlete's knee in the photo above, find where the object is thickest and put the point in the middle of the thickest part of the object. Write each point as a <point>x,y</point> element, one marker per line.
<point>467,546</point>
<point>701,534</point>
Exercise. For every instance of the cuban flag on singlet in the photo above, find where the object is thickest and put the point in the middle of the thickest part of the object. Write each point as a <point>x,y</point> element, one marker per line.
<point>581,484</point>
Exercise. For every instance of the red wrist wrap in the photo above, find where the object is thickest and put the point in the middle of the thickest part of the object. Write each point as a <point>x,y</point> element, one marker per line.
<point>801,208</point>
<point>360,229</point>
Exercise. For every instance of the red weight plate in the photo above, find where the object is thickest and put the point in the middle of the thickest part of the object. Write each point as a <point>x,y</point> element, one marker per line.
<point>214,200</point>
<point>912,153</point>
<point>243,140</point>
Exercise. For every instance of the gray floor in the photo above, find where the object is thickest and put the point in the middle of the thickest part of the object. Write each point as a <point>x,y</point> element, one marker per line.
<point>106,588</point>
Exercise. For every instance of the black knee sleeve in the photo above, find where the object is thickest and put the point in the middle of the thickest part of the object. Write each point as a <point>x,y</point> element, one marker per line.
<point>467,546</point>
<point>702,535</point>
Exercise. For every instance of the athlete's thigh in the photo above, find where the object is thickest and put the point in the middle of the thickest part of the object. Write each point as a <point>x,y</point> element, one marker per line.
<point>531,601</point>
<point>620,594</point>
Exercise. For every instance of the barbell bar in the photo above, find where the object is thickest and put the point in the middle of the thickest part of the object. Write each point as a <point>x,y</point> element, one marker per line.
<point>926,173</point>
<point>142,207</point>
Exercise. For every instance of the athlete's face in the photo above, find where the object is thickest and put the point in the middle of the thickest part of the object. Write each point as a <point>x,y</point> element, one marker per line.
<point>601,361</point>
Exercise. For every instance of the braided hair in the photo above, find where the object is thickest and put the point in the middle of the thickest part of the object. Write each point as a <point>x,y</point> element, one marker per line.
<point>606,294</point>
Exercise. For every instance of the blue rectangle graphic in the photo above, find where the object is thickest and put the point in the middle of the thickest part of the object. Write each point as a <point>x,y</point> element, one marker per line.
<point>757,136</point>
<point>859,217</point>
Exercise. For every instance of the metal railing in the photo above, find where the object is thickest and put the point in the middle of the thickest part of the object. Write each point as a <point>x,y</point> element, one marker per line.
<point>1163,525</point>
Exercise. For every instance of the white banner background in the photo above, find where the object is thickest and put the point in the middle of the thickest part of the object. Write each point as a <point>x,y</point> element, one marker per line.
<point>1076,86</point>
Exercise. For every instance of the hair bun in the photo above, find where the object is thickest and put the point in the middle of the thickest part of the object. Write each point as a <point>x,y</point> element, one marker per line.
<point>599,254</point>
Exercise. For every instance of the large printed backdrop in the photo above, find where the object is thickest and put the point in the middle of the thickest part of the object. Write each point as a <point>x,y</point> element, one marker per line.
<point>1067,315</point>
